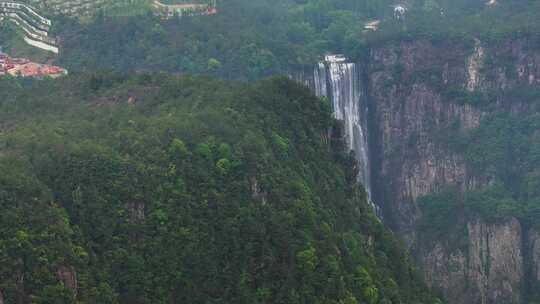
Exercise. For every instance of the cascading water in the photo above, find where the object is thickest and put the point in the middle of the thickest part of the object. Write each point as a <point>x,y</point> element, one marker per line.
<point>339,81</point>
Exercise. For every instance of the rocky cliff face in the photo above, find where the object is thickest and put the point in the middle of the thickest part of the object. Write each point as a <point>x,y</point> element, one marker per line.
<point>412,89</point>
<point>408,113</point>
<point>533,242</point>
<point>419,94</point>
<point>489,268</point>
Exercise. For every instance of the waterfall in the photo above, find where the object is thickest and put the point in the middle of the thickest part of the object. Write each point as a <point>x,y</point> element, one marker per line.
<point>340,82</point>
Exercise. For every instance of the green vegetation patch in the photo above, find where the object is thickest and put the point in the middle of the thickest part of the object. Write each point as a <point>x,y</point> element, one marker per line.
<point>503,153</point>
<point>157,189</point>
<point>11,41</point>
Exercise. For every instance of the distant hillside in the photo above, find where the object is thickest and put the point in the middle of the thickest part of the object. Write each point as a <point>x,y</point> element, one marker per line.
<point>252,39</point>
<point>81,8</point>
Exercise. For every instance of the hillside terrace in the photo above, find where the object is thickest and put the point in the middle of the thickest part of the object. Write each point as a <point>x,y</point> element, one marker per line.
<point>34,26</point>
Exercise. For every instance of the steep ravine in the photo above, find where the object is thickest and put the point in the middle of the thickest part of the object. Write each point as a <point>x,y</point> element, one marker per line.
<point>418,95</point>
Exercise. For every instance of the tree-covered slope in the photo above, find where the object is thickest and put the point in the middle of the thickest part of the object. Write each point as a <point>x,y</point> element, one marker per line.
<point>158,189</point>
<point>250,39</point>
<point>246,40</point>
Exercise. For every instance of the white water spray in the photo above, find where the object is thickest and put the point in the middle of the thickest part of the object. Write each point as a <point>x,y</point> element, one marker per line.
<point>339,81</point>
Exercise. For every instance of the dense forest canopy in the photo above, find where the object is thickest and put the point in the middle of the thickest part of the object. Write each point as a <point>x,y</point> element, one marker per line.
<point>254,39</point>
<point>504,148</point>
<point>159,189</point>
<point>154,188</point>
<point>250,39</point>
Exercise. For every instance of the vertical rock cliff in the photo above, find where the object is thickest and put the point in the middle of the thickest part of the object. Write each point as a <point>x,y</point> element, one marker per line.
<point>488,268</point>
<point>408,114</point>
<point>419,95</point>
<point>416,93</point>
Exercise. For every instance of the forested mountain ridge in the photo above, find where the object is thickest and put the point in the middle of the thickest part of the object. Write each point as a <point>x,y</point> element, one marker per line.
<point>452,92</point>
<point>255,39</point>
<point>159,189</point>
<point>250,40</point>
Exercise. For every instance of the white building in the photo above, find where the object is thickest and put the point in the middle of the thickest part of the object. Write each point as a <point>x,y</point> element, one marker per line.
<point>400,11</point>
